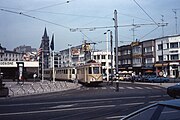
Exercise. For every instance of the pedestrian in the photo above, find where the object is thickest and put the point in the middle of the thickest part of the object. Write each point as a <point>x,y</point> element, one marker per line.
<point>133,77</point>
<point>34,76</point>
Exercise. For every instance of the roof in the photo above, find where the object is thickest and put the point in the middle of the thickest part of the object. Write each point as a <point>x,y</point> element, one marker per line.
<point>171,103</point>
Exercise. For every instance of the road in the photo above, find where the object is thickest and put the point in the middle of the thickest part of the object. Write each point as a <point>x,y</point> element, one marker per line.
<point>85,103</point>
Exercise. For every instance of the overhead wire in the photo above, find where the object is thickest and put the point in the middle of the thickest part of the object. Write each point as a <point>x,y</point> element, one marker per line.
<point>21,13</point>
<point>57,4</point>
<point>146,12</point>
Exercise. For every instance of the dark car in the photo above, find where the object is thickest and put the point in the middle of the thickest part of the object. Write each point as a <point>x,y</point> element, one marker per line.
<point>158,79</point>
<point>166,110</point>
<point>174,91</point>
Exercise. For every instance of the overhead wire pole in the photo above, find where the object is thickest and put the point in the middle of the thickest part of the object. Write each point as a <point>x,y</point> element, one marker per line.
<point>175,13</point>
<point>116,39</point>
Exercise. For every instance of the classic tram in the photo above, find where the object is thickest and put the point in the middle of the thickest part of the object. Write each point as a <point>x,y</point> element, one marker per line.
<point>65,73</point>
<point>89,73</point>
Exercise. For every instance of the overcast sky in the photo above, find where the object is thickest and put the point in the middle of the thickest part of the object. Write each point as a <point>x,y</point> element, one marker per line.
<point>58,16</point>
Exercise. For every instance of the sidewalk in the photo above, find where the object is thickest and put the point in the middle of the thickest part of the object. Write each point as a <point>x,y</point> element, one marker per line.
<point>165,85</point>
<point>29,88</point>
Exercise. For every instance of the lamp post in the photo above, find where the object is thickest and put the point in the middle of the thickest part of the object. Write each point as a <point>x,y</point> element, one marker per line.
<point>69,45</point>
<point>107,65</point>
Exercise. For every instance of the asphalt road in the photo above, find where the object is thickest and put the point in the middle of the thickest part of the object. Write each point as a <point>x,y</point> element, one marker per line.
<point>85,103</point>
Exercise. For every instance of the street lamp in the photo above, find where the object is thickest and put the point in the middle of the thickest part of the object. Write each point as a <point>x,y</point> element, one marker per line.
<point>69,45</point>
<point>107,63</point>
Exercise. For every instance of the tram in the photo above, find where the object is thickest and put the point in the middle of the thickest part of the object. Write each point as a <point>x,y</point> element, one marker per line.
<point>89,73</point>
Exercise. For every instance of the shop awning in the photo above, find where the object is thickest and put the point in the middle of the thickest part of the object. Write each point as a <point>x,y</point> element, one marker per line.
<point>160,64</point>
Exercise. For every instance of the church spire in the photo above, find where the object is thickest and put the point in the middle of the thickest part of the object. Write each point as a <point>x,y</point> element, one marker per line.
<point>45,33</point>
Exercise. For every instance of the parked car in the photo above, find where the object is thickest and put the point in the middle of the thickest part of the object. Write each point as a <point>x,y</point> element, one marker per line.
<point>165,110</point>
<point>157,79</point>
<point>174,91</point>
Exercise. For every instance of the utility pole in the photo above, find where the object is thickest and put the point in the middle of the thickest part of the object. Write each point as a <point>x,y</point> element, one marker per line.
<point>107,63</point>
<point>162,25</point>
<point>116,39</point>
<point>85,51</point>
<point>175,13</point>
<point>111,39</point>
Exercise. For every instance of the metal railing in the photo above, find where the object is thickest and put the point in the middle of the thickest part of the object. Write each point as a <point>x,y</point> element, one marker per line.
<point>38,87</point>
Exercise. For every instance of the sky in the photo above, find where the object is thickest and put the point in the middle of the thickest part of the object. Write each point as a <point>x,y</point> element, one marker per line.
<point>61,16</point>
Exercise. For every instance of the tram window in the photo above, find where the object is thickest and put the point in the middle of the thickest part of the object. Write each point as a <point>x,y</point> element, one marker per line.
<point>90,70</point>
<point>73,71</point>
<point>95,70</point>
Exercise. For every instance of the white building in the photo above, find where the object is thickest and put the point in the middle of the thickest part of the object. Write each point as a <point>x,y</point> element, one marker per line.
<point>105,59</point>
<point>168,55</point>
<point>9,63</point>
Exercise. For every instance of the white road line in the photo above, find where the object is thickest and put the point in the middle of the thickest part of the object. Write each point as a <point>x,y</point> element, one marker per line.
<point>149,88</point>
<point>121,88</point>
<point>140,88</point>
<point>157,87</point>
<point>155,96</point>
<point>72,101</point>
<point>131,104</point>
<point>56,110</point>
<point>103,88</point>
<point>130,88</point>
<point>112,88</point>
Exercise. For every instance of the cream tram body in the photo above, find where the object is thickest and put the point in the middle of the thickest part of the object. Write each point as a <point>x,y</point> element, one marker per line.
<point>89,73</point>
<point>65,73</point>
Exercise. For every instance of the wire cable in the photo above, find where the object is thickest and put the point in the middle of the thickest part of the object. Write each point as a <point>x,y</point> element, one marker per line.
<point>21,13</point>
<point>57,4</point>
<point>149,33</point>
<point>146,13</point>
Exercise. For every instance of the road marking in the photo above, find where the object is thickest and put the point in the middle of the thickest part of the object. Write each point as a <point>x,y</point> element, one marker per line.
<point>121,88</point>
<point>131,104</point>
<point>72,101</point>
<point>112,88</point>
<point>62,106</point>
<point>157,87</point>
<point>130,88</point>
<point>103,88</point>
<point>155,96</point>
<point>56,110</point>
<point>140,88</point>
<point>149,88</point>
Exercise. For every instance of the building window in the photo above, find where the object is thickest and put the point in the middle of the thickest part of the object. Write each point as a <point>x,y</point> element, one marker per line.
<point>149,60</point>
<point>136,61</point>
<point>160,58</point>
<point>137,50</point>
<point>109,56</point>
<point>160,47</point>
<point>148,49</point>
<point>167,45</point>
<point>103,63</point>
<point>174,45</point>
<point>103,56</point>
<point>95,57</point>
<point>175,57</point>
<point>98,57</point>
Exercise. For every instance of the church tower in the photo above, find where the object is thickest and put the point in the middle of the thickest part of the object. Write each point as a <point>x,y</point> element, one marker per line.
<point>45,49</point>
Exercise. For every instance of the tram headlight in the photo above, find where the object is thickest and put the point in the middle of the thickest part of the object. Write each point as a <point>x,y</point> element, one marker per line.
<point>93,79</point>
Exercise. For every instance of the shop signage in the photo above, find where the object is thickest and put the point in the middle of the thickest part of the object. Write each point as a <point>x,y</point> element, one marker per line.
<point>5,63</point>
